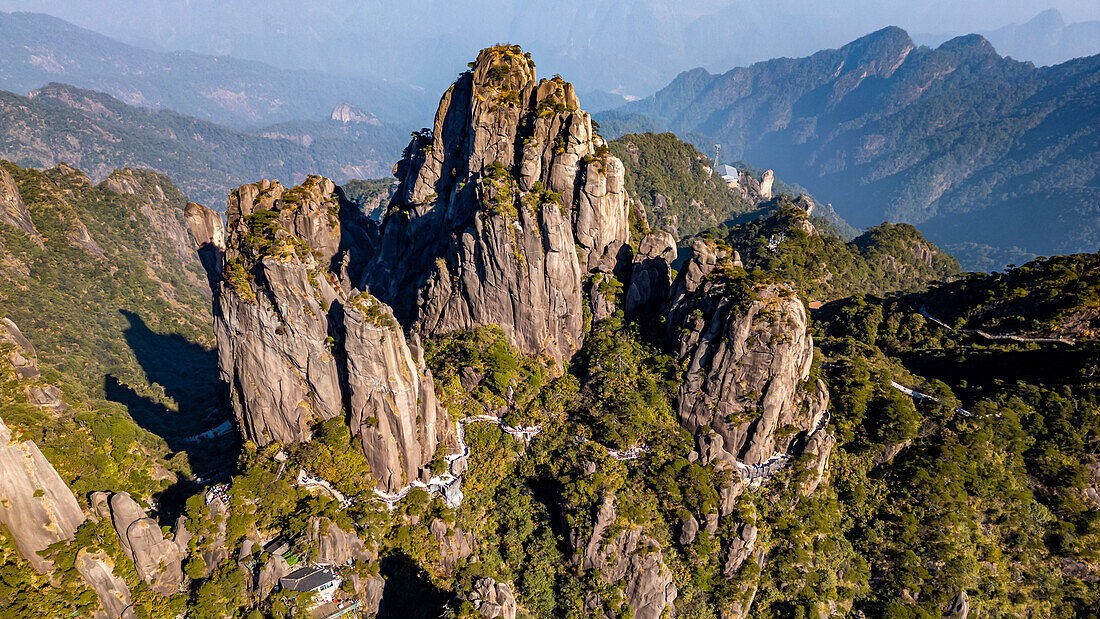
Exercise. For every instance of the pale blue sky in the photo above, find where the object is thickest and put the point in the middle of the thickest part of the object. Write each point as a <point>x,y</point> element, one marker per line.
<point>632,46</point>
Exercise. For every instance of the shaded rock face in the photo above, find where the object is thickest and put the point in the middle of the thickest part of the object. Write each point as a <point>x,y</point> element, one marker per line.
<point>97,570</point>
<point>454,544</point>
<point>335,546</point>
<point>493,599</point>
<point>748,352</point>
<point>22,357</point>
<point>394,411</point>
<point>651,274</point>
<point>633,560</point>
<point>208,233</point>
<point>36,504</point>
<point>501,208</point>
<point>13,211</point>
<point>370,591</point>
<point>158,561</point>
<point>297,344</point>
<point>740,549</point>
<point>275,568</point>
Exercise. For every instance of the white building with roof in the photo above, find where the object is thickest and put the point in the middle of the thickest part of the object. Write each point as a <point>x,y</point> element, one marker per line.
<point>322,583</point>
<point>729,174</point>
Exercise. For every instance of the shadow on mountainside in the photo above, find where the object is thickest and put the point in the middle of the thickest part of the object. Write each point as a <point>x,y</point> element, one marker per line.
<point>409,592</point>
<point>188,375</point>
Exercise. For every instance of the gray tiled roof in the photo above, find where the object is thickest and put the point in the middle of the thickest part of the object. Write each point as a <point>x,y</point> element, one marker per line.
<point>306,579</point>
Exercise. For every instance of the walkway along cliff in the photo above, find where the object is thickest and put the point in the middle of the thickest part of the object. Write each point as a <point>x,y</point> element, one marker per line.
<point>509,211</point>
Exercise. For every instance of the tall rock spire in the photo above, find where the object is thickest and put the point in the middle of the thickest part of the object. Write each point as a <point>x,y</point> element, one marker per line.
<point>503,206</point>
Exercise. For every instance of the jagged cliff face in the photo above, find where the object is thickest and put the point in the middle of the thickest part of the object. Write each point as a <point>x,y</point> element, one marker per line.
<point>273,307</point>
<point>503,207</point>
<point>13,211</point>
<point>748,353</point>
<point>36,504</point>
<point>296,344</point>
<point>393,406</point>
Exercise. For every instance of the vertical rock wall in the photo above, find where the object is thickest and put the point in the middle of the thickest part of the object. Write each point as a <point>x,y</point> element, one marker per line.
<point>749,351</point>
<point>503,206</point>
<point>297,345</point>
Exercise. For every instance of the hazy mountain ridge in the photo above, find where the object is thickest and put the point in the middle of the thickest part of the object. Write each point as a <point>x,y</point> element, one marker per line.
<point>977,148</point>
<point>36,49</point>
<point>99,134</point>
<point>1046,39</point>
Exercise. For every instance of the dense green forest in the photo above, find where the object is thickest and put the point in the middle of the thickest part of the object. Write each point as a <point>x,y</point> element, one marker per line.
<point>786,242</point>
<point>988,490</point>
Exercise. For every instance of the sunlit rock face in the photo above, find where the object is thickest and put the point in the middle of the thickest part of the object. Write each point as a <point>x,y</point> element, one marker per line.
<point>503,207</point>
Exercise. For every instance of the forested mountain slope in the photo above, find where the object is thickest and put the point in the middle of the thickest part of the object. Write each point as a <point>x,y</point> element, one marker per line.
<point>501,401</point>
<point>682,192</point>
<point>996,483</point>
<point>103,280</point>
<point>788,243</point>
<point>994,158</point>
<point>98,134</point>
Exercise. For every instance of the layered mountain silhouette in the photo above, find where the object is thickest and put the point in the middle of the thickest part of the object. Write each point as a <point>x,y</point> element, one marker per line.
<point>995,159</point>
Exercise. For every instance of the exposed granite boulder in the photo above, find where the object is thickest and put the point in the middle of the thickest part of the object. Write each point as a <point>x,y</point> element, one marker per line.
<point>632,560</point>
<point>805,203</point>
<point>493,599</point>
<point>269,575</point>
<point>501,207</point>
<point>748,352</point>
<point>208,232</point>
<point>960,609</point>
<point>36,504</point>
<point>740,549</point>
<point>101,505</point>
<point>394,411</point>
<point>766,181</point>
<point>297,345</point>
<point>336,546</point>
<point>24,362</point>
<point>651,275</point>
<point>13,211</point>
<point>182,536</point>
<point>97,569</point>
<point>22,357</point>
<point>601,292</point>
<point>820,447</point>
<point>689,529</point>
<point>369,591</point>
<point>1092,490</point>
<point>158,561</point>
<point>345,112</point>
<point>454,544</point>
